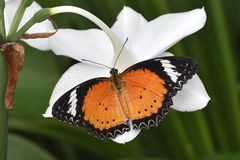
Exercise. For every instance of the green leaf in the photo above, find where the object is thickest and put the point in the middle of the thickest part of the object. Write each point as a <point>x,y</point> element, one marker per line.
<point>223,156</point>
<point>143,158</point>
<point>65,133</point>
<point>22,149</point>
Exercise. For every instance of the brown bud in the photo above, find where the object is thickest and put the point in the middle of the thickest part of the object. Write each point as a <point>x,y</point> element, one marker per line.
<point>38,35</point>
<point>14,58</point>
<point>41,35</point>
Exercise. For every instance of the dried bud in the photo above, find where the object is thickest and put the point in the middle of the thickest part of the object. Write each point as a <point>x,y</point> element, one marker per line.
<point>38,35</point>
<point>14,58</point>
<point>41,35</point>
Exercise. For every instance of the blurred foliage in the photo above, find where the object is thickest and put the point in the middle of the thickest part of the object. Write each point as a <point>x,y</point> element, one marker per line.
<point>212,133</point>
<point>29,152</point>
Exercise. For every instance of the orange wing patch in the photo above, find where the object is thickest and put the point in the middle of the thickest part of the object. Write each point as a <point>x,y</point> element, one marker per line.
<point>145,93</point>
<point>102,108</point>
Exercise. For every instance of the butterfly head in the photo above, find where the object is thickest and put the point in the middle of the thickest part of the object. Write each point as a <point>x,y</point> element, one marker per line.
<point>113,71</point>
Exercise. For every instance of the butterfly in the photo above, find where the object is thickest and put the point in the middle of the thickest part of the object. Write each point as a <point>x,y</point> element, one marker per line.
<point>141,95</point>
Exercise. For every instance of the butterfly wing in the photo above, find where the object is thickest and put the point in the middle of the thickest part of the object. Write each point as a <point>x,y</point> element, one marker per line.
<point>147,91</point>
<point>150,86</point>
<point>94,106</point>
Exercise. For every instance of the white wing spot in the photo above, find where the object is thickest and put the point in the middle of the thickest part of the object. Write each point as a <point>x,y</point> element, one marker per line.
<point>170,70</point>
<point>73,103</point>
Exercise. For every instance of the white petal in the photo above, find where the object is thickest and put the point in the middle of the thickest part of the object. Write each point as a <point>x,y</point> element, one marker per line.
<point>192,97</point>
<point>162,33</point>
<point>75,75</point>
<point>127,136</point>
<point>92,44</point>
<point>164,54</point>
<point>45,26</point>
<point>48,113</point>
<point>128,22</point>
<point>9,12</point>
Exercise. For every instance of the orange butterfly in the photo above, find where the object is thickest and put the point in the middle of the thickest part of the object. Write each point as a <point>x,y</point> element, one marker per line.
<point>141,95</point>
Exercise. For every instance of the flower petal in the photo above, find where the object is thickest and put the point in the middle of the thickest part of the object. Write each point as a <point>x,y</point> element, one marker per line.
<point>75,75</point>
<point>160,34</point>
<point>126,25</point>
<point>9,12</point>
<point>127,136</point>
<point>128,22</point>
<point>192,97</point>
<point>45,26</point>
<point>92,44</point>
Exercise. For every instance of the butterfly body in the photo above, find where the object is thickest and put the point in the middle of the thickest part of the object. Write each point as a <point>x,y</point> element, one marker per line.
<point>116,79</point>
<point>139,97</point>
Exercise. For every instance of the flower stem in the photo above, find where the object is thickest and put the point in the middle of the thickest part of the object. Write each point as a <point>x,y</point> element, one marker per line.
<point>18,16</point>
<point>47,12</point>
<point>3,114</point>
<point>2,25</point>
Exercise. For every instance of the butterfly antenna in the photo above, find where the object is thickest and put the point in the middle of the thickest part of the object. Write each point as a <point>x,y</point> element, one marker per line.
<point>100,64</point>
<point>120,53</point>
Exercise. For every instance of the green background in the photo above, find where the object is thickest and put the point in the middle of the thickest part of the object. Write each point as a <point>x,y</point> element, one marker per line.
<point>211,133</point>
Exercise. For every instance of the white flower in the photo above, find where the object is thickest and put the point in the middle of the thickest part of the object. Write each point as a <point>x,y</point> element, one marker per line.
<point>146,40</point>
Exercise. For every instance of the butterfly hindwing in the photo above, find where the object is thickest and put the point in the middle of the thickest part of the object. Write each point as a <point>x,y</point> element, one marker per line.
<point>153,83</point>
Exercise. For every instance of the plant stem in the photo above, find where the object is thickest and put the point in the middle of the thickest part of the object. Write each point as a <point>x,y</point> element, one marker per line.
<point>3,113</point>
<point>18,16</point>
<point>4,133</point>
<point>2,25</point>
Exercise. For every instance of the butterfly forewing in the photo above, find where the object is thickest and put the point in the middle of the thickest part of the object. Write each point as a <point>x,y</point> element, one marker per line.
<point>150,86</point>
